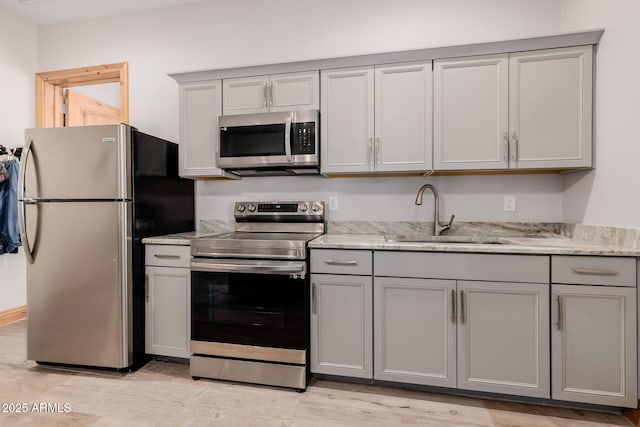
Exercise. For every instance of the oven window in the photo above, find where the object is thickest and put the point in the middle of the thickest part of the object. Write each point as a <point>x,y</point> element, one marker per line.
<point>249,141</point>
<point>249,309</point>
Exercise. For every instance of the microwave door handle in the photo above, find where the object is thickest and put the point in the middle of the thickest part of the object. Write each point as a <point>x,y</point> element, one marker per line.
<point>287,138</point>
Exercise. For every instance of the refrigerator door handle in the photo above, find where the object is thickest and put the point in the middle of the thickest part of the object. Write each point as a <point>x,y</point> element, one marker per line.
<point>23,170</point>
<point>22,218</point>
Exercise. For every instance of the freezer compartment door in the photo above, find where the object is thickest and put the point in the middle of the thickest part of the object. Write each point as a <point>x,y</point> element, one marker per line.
<point>79,286</point>
<point>83,162</point>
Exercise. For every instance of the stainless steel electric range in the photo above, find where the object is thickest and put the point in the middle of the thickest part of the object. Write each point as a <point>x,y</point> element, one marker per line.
<point>250,295</point>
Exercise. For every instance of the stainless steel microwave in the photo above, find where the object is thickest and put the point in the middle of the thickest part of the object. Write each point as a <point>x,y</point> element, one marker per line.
<point>277,143</point>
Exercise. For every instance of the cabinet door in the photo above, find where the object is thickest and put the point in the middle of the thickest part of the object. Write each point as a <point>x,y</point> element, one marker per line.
<point>341,325</point>
<point>168,300</point>
<point>246,95</point>
<point>347,122</point>
<point>294,91</point>
<point>415,331</point>
<point>550,96</point>
<point>403,117</point>
<point>471,114</point>
<point>594,345</point>
<point>503,338</point>
<point>200,105</point>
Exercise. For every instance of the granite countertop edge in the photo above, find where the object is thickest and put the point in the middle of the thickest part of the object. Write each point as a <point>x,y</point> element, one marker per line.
<point>177,239</point>
<point>506,245</point>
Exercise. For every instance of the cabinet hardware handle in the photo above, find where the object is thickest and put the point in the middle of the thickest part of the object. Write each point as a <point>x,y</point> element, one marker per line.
<point>559,322</point>
<point>266,95</point>
<point>271,94</point>
<point>514,152</point>
<point>167,256</point>
<point>146,287</point>
<point>377,152</point>
<point>331,262</point>
<point>595,271</point>
<point>370,153</point>
<point>505,147</point>
<point>462,307</point>
<point>314,305</point>
<point>453,305</point>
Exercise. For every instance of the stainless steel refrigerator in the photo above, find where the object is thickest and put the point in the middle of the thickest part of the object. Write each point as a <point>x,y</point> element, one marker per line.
<point>87,197</point>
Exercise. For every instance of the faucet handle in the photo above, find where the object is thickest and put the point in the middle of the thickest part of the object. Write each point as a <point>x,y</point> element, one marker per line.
<point>451,220</point>
<point>448,225</point>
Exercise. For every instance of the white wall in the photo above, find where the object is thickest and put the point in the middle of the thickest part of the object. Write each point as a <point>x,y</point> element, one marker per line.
<point>609,194</point>
<point>18,59</point>
<point>477,198</point>
<point>215,34</point>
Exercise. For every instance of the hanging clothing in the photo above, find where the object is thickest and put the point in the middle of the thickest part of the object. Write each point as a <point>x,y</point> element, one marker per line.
<point>4,173</point>
<point>9,229</point>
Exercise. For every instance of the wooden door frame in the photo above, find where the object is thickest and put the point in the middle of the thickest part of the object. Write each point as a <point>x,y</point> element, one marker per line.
<point>50,85</point>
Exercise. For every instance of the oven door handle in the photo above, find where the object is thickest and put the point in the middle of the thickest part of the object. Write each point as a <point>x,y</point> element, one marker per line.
<point>258,268</point>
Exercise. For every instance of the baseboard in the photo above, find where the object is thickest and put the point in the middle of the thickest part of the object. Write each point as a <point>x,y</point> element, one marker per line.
<point>633,415</point>
<point>11,315</point>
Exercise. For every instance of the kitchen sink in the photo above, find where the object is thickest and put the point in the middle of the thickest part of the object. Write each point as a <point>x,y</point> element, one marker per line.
<point>427,238</point>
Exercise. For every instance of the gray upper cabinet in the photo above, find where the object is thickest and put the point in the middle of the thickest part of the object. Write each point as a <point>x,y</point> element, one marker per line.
<point>278,92</point>
<point>550,108</point>
<point>377,119</point>
<point>525,110</point>
<point>440,109</point>
<point>346,120</point>
<point>471,113</point>
<point>200,104</point>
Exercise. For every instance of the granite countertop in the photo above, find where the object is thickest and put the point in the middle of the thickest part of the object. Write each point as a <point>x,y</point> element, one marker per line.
<point>482,237</point>
<point>481,244</point>
<point>178,239</point>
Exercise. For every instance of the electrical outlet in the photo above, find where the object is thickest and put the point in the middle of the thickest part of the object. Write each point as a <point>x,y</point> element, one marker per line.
<point>333,203</point>
<point>509,203</point>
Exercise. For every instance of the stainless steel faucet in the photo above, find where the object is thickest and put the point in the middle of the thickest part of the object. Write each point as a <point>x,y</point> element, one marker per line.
<point>438,227</point>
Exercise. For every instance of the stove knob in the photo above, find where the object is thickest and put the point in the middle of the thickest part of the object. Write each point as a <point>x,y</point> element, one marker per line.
<point>252,208</point>
<point>315,208</point>
<point>240,208</point>
<point>304,208</point>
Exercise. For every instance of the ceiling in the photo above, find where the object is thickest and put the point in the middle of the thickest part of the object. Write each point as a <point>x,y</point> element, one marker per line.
<point>44,12</point>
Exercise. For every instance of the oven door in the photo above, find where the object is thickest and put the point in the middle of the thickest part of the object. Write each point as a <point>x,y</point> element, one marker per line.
<point>250,302</point>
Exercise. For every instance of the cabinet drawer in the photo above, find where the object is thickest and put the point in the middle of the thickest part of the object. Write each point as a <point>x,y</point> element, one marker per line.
<point>167,255</point>
<point>341,261</point>
<point>488,267</point>
<point>593,270</point>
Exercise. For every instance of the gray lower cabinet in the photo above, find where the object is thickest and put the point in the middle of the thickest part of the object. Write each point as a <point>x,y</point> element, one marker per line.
<point>415,331</point>
<point>479,322</point>
<point>503,338</point>
<point>341,325</point>
<point>593,331</point>
<point>168,287</point>
<point>483,336</point>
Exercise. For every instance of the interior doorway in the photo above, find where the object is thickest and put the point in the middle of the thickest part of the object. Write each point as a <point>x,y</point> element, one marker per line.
<point>57,105</point>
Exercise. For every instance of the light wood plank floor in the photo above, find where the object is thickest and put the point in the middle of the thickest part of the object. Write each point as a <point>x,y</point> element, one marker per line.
<point>163,394</point>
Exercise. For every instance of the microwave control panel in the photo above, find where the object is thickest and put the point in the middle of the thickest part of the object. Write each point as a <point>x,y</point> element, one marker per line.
<point>303,137</point>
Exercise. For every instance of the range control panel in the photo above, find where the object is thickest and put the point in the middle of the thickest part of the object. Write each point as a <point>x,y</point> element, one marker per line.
<point>243,210</point>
